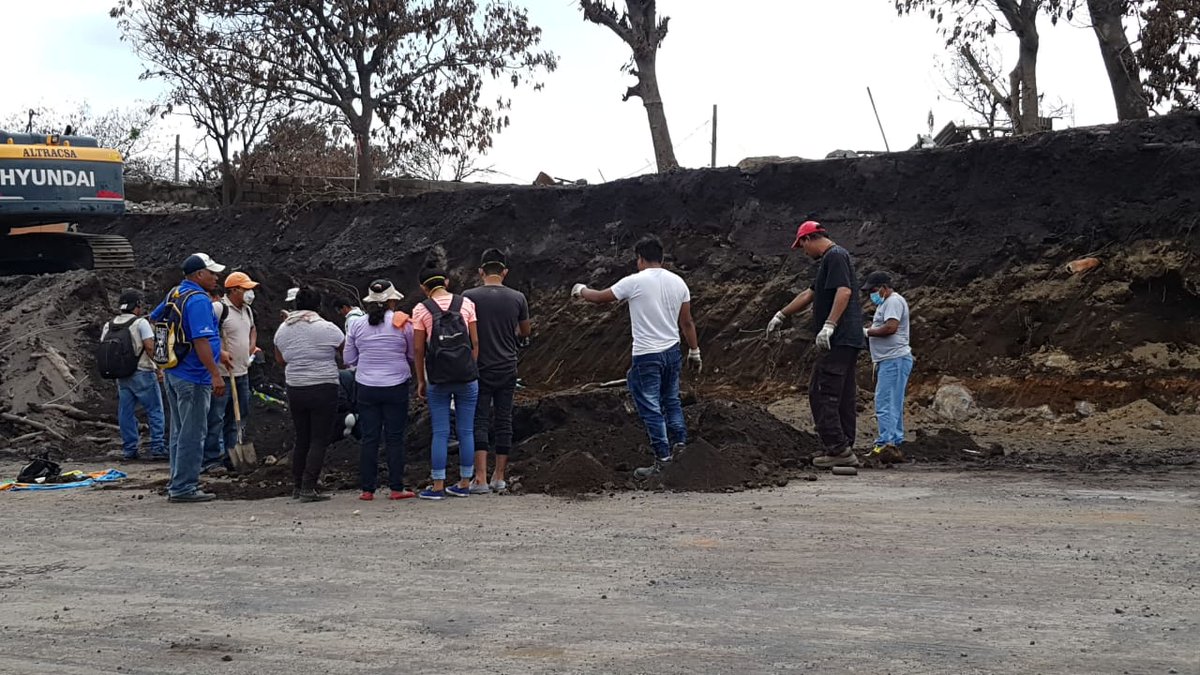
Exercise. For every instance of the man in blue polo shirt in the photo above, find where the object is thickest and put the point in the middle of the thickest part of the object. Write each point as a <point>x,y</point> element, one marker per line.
<point>193,382</point>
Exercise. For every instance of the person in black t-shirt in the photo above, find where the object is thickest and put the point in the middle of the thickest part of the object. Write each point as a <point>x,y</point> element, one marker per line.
<point>502,318</point>
<point>838,322</point>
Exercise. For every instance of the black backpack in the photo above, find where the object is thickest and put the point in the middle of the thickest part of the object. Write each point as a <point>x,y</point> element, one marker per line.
<point>116,357</point>
<point>40,467</point>
<point>448,358</point>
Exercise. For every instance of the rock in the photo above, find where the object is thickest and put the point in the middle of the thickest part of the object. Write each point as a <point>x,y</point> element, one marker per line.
<point>1116,292</point>
<point>1084,409</point>
<point>953,402</point>
<point>1156,424</point>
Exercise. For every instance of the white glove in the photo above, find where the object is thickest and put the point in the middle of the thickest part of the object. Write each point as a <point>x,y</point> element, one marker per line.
<point>776,323</point>
<point>694,360</point>
<point>577,290</point>
<point>866,332</point>
<point>824,336</point>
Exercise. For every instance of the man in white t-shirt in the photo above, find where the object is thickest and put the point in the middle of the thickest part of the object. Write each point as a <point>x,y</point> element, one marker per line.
<point>141,388</point>
<point>660,308</point>
<point>239,343</point>
<point>892,356</point>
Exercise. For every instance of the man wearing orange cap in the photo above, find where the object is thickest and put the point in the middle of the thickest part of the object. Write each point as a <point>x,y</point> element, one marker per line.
<point>240,339</point>
<point>837,320</point>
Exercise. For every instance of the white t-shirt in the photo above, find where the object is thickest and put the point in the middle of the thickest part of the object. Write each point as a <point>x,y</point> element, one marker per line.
<point>895,345</point>
<point>655,296</point>
<point>138,331</point>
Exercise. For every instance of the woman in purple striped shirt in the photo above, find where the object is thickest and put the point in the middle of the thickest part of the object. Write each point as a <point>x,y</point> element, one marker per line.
<point>381,349</point>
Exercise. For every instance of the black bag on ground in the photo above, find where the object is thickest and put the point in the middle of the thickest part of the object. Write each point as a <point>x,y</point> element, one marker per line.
<point>448,357</point>
<point>40,467</point>
<point>116,356</point>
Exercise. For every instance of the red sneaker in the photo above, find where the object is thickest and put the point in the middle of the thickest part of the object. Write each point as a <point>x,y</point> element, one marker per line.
<point>367,496</point>
<point>402,494</point>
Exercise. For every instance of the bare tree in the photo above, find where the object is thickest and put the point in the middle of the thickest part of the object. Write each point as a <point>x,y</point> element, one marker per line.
<point>976,21</point>
<point>644,32</point>
<point>177,48</point>
<point>970,81</point>
<point>1120,62</point>
<point>387,66</point>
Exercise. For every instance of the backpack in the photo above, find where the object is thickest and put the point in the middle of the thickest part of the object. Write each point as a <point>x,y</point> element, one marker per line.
<point>448,358</point>
<point>41,467</point>
<point>116,356</point>
<point>170,340</point>
<point>225,315</point>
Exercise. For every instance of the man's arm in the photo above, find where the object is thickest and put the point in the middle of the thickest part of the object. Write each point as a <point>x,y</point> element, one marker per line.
<point>687,326</point>
<point>888,328</point>
<point>840,302</point>
<point>253,340</point>
<point>603,297</point>
<point>799,303</point>
<point>205,354</point>
<point>473,328</point>
<point>524,328</point>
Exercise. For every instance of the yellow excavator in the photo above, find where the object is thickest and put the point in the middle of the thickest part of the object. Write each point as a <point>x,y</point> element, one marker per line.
<point>49,184</point>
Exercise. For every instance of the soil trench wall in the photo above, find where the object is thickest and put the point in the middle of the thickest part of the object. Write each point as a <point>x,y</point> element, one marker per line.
<point>978,235</point>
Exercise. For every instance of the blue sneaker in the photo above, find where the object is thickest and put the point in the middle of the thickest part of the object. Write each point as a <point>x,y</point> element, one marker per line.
<point>430,493</point>
<point>455,491</point>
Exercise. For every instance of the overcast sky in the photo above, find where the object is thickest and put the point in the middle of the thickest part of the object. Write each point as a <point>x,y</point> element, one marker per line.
<point>789,77</point>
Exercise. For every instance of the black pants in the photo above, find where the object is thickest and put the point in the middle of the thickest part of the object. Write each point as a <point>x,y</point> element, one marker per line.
<point>382,415</point>
<point>313,409</point>
<point>494,412</point>
<point>832,395</point>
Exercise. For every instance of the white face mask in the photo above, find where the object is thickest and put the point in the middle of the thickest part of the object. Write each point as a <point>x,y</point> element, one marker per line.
<point>248,297</point>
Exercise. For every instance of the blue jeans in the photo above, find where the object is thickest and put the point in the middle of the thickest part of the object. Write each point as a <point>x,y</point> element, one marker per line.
<point>891,378</point>
<point>222,426</point>
<point>140,388</point>
<point>465,396</point>
<point>189,423</point>
<point>654,383</point>
<point>383,414</point>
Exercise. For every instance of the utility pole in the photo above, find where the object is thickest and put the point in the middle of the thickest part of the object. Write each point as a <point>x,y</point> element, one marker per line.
<point>885,143</point>
<point>714,139</point>
<point>177,159</point>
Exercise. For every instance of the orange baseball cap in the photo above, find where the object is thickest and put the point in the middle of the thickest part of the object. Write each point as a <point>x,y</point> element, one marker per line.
<point>240,280</point>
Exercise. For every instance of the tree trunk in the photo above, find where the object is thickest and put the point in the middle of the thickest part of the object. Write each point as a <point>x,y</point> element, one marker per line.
<point>1024,92</point>
<point>1119,61</point>
<point>366,168</point>
<point>660,134</point>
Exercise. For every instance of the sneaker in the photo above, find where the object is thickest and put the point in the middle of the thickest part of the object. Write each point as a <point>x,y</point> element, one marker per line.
<point>193,497</point>
<point>366,496</point>
<point>455,491</point>
<point>678,449</point>
<point>653,470</point>
<point>480,489</point>
<point>159,458</point>
<point>845,458</point>
<point>313,496</point>
<point>431,494</point>
<point>498,485</point>
<point>402,493</point>
<point>216,469</point>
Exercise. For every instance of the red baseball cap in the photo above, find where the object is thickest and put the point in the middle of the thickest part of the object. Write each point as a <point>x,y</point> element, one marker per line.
<point>807,228</point>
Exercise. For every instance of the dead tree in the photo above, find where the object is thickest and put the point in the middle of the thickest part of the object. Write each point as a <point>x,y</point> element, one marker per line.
<point>639,28</point>
<point>1129,94</point>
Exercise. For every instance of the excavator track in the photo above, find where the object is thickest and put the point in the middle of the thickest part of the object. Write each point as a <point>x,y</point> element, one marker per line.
<point>53,252</point>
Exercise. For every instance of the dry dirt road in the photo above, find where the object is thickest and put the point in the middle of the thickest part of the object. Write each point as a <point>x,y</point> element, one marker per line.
<point>906,571</point>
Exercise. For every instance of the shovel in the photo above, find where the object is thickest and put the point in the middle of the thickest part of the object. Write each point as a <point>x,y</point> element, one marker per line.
<point>242,454</point>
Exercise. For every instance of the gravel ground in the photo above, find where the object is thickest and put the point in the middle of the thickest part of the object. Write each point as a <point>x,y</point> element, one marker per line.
<point>912,571</point>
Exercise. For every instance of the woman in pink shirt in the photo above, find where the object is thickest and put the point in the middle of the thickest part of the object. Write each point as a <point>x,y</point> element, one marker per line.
<point>380,346</point>
<point>447,346</point>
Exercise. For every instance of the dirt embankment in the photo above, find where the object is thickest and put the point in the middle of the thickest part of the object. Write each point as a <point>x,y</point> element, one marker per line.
<point>978,235</point>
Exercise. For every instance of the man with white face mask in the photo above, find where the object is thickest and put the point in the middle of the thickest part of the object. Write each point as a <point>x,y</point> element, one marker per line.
<point>892,356</point>
<point>240,338</point>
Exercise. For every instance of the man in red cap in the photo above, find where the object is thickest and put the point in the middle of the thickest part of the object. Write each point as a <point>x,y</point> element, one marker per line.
<point>837,319</point>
